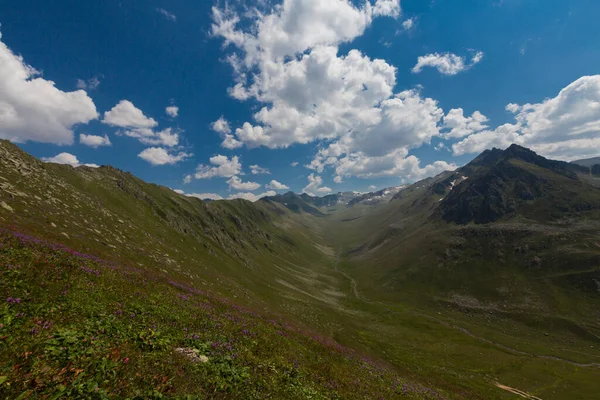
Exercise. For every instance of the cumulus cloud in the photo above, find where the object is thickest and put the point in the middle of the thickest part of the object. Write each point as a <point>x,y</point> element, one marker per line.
<point>220,167</point>
<point>398,164</point>
<point>408,25</point>
<point>257,170</point>
<point>89,84</point>
<point>222,127</point>
<point>315,185</point>
<point>172,111</point>
<point>242,195</point>
<point>295,164</point>
<point>297,25</point>
<point>236,183</point>
<point>461,126</point>
<point>205,196</point>
<point>160,156</point>
<point>288,60</point>
<point>137,125</point>
<point>168,15</point>
<point>126,115</point>
<point>251,196</point>
<point>33,108</point>
<point>277,185</point>
<point>563,127</point>
<point>67,159</point>
<point>406,121</point>
<point>94,141</point>
<point>168,137</point>
<point>447,63</point>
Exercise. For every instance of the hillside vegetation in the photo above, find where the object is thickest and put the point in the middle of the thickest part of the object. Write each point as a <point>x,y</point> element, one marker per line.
<point>465,285</point>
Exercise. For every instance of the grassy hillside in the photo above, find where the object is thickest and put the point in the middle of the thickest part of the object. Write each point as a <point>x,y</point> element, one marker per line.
<point>373,300</point>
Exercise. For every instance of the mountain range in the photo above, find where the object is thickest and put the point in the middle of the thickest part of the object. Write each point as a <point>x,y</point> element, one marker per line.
<point>457,286</point>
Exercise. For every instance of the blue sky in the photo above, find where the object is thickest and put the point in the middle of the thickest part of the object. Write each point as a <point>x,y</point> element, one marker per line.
<point>359,94</point>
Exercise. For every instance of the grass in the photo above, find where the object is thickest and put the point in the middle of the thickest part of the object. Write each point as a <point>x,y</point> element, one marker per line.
<point>223,268</point>
<point>76,326</point>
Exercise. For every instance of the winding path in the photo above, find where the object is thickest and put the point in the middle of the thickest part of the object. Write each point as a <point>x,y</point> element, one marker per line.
<point>461,329</point>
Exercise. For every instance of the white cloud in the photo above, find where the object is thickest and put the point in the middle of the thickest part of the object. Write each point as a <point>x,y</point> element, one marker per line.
<point>33,109</point>
<point>222,127</point>
<point>160,156</point>
<point>251,196</point>
<point>398,164</point>
<point>295,164</point>
<point>338,179</point>
<point>288,60</point>
<point>94,141</point>
<point>461,126</point>
<point>221,167</point>
<point>291,61</point>
<point>168,15</point>
<point>277,185</point>
<point>205,196</point>
<point>297,25</point>
<point>564,127</point>
<point>138,126</point>
<point>372,187</point>
<point>178,191</point>
<point>126,115</point>
<point>172,111</point>
<point>409,24</point>
<point>231,143</point>
<point>257,170</point>
<point>447,63</point>
<point>90,84</point>
<point>236,183</point>
<point>67,159</point>
<point>315,185</point>
<point>167,137</point>
<point>406,121</point>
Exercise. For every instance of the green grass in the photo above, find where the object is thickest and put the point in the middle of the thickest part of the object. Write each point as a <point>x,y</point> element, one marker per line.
<point>73,326</point>
<point>235,256</point>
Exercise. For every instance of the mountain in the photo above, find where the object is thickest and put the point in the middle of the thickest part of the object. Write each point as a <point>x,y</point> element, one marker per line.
<point>590,162</point>
<point>295,203</point>
<point>518,182</point>
<point>445,288</point>
<point>373,198</point>
<point>312,204</point>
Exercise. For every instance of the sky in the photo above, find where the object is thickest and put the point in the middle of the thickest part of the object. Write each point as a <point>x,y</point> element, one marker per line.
<point>243,99</point>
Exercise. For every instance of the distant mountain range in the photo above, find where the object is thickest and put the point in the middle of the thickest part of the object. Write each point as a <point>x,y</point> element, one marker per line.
<point>590,162</point>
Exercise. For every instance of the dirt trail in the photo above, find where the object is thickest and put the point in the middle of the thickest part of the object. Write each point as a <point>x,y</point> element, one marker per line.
<point>461,329</point>
<point>518,392</point>
<point>352,280</point>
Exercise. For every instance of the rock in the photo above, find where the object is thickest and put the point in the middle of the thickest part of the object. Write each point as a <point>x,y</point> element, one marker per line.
<point>193,355</point>
<point>6,206</point>
<point>536,262</point>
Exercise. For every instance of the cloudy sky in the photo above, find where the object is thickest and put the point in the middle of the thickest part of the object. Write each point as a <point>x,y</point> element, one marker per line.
<point>245,98</point>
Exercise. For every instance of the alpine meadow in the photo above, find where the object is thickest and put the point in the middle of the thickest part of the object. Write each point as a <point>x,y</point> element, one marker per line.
<point>300,199</point>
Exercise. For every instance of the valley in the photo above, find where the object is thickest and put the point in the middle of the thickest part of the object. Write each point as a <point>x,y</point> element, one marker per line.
<point>478,283</point>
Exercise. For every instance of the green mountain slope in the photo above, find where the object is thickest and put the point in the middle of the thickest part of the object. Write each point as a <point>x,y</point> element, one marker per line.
<point>296,296</point>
